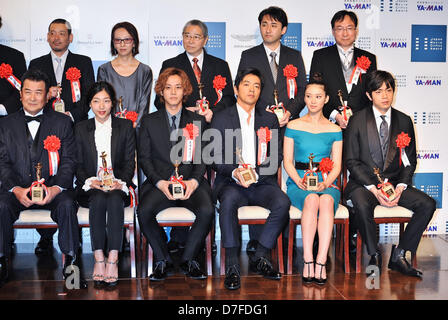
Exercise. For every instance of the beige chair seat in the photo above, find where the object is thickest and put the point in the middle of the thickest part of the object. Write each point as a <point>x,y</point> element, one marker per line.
<point>175,214</point>
<point>394,212</point>
<point>253,212</point>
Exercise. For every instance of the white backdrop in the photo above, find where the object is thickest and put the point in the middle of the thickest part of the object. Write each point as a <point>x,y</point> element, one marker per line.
<point>408,37</point>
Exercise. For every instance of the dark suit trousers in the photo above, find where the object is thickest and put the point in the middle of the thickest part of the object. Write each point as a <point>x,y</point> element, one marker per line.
<point>63,211</point>
<point>153,201</point>
<point>233,196</point>
<point>420,203</point>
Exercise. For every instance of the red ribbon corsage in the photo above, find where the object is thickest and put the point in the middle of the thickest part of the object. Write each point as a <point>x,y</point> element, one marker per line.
<point>291,72</point>
<point>131,115</point>
<point>219,83</point>
<point>52,144</point>
<point>402,141</point>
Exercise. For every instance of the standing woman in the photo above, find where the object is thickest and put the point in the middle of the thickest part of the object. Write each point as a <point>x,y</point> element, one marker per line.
<point>105,140</point>
<point>130,78</point>
<point>313,133</point>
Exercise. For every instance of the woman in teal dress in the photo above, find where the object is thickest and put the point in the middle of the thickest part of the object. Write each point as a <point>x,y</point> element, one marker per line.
<point>315,134</point>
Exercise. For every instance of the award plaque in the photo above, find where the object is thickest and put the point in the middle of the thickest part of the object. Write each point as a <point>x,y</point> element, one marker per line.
<point>312,178</point>
<point>105,176</point>
<point>202,103</point>
<point>37,191</point>
<point>386,187</point>
<point>58,104</point>
<point>345,110</point>
<point>248,173</point>
<point>177,189</point>
<point>278,109</point>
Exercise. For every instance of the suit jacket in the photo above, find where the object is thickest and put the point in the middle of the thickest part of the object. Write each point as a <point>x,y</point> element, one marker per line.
<point>327,62</point>
<point>122,151</point>
<point>16,158</point>
<point>154,148</point>
<point>211,67</point>
<point>362,150</point>
<point>78,109</point>
<point>229,119</point>
<point>256,58</point>
<point>9,95</point>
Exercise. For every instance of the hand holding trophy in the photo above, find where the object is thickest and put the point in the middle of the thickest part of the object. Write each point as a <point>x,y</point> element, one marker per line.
<point>310,175</point>
<point>247,173</point>
<point>387,189</point>
<point>346,111</point>
<point>37,189</point>
<point>177,186</point>
<point>58,104</point>
<point>278,108</point>
<point>202,103</point>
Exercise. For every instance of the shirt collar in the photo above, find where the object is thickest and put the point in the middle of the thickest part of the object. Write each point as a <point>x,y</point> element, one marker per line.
<point>378,114</point>
<point>243,113</point>
<point>107,124</point>
<point>37,114</point>
<point>268,51</point>
<point>200,57</point>
<point>63,57</point>
<point>343,52</point>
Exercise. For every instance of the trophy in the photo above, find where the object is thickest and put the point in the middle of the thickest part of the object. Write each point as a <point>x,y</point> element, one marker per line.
<point>312,178</point>
<point>58,104</point>
<point>177,189</point>
<point>348,112</point>
<point>120,113</point>
<point>106,177</point>
<point>386,187</point>
<point>248,173</point>
<point>37,191</point>
<point>202,103</point>
<point>278,109</point>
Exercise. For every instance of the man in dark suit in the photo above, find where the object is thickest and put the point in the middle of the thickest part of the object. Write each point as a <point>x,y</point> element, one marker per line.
<point>32,136</point>
<point>9,90</point>
<point>157,154</point>
<point>55,65</point>
<point>337,63</point>
<point>257,140</point>
<point>383,138</point>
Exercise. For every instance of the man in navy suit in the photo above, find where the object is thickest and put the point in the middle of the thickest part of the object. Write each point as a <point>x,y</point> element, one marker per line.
<point>60,65</point>
<point>25,142</point>
<point>257,139</point>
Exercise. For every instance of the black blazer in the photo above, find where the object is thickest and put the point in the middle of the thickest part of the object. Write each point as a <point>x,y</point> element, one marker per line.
<point>9,95</point>
<point>228,119</point>
<point>79,109</point>
<point>327,62</point>
<point>154,148</point>
<point>211,67</point>
<point>16,165</point>
<point>256,58</point>
<point>122,151</point>
<point>362,150</point>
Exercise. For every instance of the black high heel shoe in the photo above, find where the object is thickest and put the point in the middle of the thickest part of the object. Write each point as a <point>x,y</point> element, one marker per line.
<point>308,279</point>
<point>320,280</point>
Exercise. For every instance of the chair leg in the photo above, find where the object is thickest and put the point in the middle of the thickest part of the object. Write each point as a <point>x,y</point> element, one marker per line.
<point>414,259</point>
<point>138,247</point>
<point>346,246</point>
<point>358,253</point>
<point>208,244</point>
<point>150,259</point>
<point>338,240</point>
<point>143,255</point>
<point>132,247</point>
<point>291,236</point>
<point>222,267</point>
<point>281,266</point>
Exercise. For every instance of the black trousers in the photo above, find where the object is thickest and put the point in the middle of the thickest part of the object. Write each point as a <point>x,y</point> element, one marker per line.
<point>152,201</point>
<point>106,217</point>
<point>233,196</point>
<point>420,203</point>
<point>63,211</point>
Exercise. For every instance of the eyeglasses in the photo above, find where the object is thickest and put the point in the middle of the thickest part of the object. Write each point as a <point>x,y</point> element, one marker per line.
<point>194,37</point>
<point>341,29</point>
<point>125,40</point>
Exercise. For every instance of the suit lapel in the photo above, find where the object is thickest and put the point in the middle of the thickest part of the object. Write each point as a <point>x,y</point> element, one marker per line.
<point>114,140</point>
<point>49,67</point>
<point>43,133</point>
<point>373,139</point>
<point>20,134</point>
<point>336,62</point>
<point>189,70</point>
<point>91,142</point>
<point>264,61</point>
<point>393,133</point>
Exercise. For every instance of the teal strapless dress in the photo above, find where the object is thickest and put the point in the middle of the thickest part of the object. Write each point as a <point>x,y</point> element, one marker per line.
<point>320,144</point>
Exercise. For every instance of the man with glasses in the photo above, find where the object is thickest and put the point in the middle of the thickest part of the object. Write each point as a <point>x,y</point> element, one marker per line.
<point>74,74</point>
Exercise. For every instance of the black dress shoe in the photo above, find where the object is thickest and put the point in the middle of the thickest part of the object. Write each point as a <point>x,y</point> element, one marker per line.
<point>69,267</point>
<point>399,263</point>
<point>251,246</point>
<point>191,269</point>
<point>376,260</point>
<point>264,267</point>
<point>3,271</point>
<point>44,246</point>
<point>233,278</point>
<point>161,270</point>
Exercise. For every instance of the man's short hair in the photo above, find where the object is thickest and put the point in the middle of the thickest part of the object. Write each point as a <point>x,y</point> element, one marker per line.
<point>163,78</point>
<point>62,21</point>
<point>132,30</point>
<point>375,80</point>
<point>199,24</point>
<point>340,15</point>
<point>242,73</point>
<point>36,75</point>
<point>100,86</point>
<point>276,13</point>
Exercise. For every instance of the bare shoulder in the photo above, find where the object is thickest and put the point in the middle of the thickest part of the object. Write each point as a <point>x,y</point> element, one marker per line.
<point>296,124</point>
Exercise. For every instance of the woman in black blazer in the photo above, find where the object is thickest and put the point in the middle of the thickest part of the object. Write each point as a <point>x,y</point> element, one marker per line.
<point>105,144</point>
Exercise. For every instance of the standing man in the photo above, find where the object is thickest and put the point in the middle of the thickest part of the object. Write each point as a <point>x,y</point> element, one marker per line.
<point>157,160</point>
<point>337,65</point>
<point>251,139</point>
<point>37,145</point>
<point>74,74</point>
<point>381,138</point>
<point>12,68</point>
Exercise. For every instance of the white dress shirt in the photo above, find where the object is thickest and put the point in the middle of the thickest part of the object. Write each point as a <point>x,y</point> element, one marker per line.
<point>200,58</point>
<point>55,63</point>
<point>268,54</point>
<point>33,126</point>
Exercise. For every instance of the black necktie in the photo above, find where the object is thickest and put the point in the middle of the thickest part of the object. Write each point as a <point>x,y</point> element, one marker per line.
<point>173,124</point>
<point>384,136</point>
<point>37,118</point>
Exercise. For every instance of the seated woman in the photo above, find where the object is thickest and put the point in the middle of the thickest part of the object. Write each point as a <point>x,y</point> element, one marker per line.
<point>105,167</point>
<point>313,136</point>
<point>131,79</point>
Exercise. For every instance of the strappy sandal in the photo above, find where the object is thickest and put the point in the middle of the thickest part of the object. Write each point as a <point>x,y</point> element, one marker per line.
<point>308,279</point>
<point>320,280</point>
<point>98,279</point>
<point>114,281</point>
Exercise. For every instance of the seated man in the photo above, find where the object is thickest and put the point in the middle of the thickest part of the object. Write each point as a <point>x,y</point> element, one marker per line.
<point>156,157</point>
<point>244,149</point>
<point>372,155</point>
<point>37,144</point>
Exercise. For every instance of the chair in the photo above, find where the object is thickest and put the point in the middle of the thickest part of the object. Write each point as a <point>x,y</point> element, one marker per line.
<point>41,219</point>
<point>177,217</point>
<point>386,215</point>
